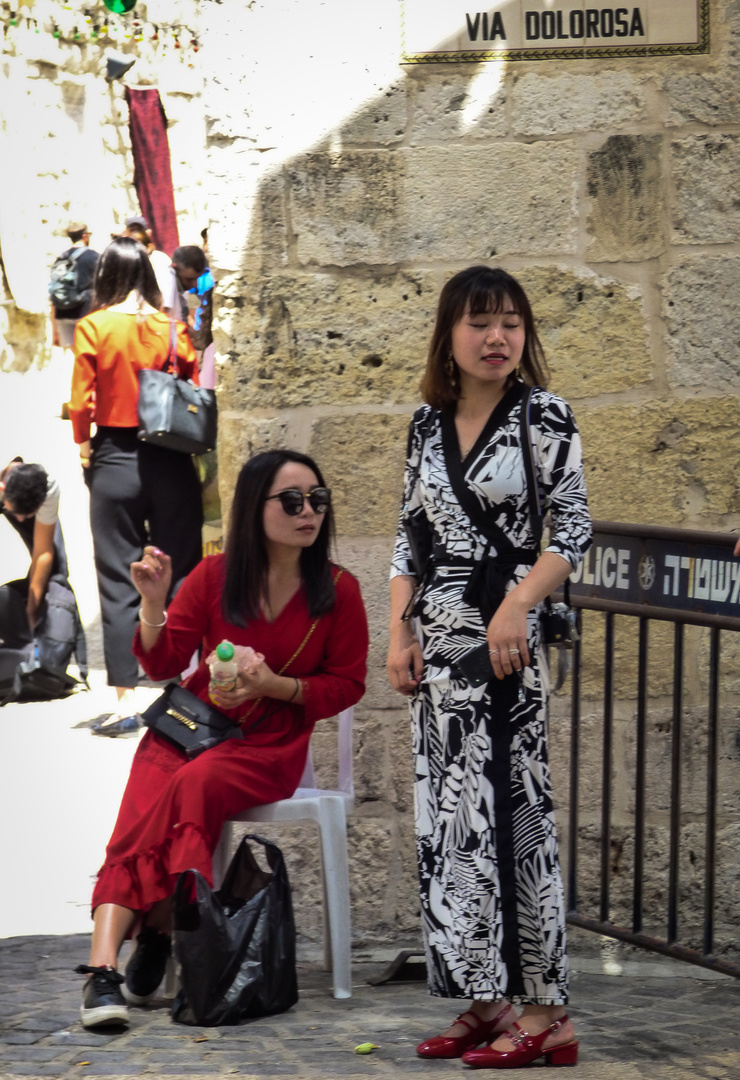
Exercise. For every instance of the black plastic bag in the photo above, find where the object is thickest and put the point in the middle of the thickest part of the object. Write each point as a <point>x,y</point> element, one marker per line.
<point>236,945</point>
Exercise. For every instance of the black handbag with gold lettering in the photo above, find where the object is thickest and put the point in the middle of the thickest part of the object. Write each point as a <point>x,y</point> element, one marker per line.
<point>187,722</point>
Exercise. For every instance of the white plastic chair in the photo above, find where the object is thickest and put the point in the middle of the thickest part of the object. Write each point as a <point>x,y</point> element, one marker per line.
<point>329,810</point>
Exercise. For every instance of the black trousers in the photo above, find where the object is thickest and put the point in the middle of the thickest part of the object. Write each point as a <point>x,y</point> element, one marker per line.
<point>139,495</point>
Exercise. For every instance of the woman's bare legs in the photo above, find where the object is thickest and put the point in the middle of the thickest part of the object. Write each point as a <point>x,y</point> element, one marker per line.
<point>111,924</point>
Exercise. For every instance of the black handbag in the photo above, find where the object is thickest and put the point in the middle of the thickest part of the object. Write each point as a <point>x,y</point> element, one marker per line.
<point>174,412</point>
<point>190,724</point>
<point>235,945</point>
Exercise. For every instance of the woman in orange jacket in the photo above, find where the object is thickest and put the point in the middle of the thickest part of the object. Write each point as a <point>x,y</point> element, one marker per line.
<point>139,494</point>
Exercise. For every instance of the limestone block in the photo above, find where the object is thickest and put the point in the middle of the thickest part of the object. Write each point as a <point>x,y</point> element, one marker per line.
<point>401,791</point>
<point>564,103</point>
<point>703,322</point>
<point>239,437</point>
<point>633,474</point>
<point>707,202</point>
<point>371,848</point>
<point>322,339</point>
<point>369,560</point>
<point>625,186</point>
<point>655,891</point>
<point>709,97</point>
<point>625,666</point>
<point>593,330</point>
<point>249,230</point>
<point>346,207</point>
<point>532,212</point>
<point>226,107</point>
<point>466,105</point>
<point>371,758</point>
<point>382,122</point>
<point>703,98</point>
<point>659,750</point>
<point>363,448</point>
<point>406,881</point>
<point>381,206</point>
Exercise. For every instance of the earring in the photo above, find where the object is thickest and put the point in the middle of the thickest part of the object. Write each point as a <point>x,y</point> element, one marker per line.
<point>450,366</point>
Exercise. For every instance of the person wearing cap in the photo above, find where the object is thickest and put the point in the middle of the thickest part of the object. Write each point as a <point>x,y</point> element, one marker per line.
<point>138,227</point>
<point>63,321</point>
<point>188,263</point>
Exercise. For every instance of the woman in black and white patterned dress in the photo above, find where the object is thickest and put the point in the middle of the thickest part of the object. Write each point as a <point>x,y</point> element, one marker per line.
<point>491,893</point>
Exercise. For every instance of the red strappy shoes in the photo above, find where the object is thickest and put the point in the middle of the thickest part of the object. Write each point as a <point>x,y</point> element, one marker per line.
<point>526,1048</point>
<point>447,1046</point>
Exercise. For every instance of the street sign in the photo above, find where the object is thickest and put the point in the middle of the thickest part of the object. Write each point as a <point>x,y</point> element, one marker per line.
<point>691,573</point>
<point>450,31</point>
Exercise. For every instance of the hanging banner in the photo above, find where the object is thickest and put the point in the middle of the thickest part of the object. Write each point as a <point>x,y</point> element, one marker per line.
<point>446,31</point>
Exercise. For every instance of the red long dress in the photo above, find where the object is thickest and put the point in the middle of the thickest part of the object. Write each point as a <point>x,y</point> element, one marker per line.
<point>173,809</point>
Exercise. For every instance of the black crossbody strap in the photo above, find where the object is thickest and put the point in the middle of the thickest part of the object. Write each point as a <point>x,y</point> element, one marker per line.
<point>533,490</point>
<point>424,431</point>
<point>170,364</point>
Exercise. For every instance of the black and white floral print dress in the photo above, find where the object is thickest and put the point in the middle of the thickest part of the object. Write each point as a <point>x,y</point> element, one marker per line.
<point>492,900</point>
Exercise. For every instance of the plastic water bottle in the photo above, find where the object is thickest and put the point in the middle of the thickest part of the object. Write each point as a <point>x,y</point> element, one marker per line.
<point>224,668</point>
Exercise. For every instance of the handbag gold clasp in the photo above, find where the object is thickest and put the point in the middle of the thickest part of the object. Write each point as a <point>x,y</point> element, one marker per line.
<point>192,408</point>
<point>183,719</point>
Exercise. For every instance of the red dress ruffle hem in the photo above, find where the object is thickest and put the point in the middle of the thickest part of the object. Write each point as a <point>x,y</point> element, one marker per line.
<point>173,810</point>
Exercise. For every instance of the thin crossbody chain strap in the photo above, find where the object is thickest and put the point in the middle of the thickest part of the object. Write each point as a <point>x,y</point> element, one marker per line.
<point>286,665</point>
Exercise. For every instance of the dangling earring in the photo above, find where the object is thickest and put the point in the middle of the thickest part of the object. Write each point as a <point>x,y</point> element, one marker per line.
<point>450,366</point>
<point>518,373</point>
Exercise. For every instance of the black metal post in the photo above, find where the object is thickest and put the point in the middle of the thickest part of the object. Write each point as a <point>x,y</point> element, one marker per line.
<point>575,723</point>
<point>640,754</point>
<point>606,777</point>
<point>711,812</point>
<point>676,756</point>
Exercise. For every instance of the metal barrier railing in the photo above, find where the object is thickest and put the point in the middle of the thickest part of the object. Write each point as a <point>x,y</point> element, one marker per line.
<point>686,578</point>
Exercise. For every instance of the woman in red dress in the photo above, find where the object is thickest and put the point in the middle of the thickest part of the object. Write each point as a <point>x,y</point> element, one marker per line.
<point>276,591</point>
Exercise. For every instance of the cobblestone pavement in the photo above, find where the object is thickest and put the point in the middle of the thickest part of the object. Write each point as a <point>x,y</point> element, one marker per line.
<point>634,1027</point>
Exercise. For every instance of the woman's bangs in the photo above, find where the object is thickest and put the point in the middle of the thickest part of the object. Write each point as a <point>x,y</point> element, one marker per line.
<point>487,300</point>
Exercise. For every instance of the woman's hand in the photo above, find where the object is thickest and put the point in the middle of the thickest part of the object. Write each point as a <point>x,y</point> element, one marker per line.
<point>152,577</point>
<point>507,637</point>
<point>85,454</point>
<point>254,682</point>
<point>405,663</point>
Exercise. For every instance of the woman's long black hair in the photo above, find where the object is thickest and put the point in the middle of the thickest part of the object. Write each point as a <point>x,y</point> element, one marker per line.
<point>247,562</point>
<point>124,267</point>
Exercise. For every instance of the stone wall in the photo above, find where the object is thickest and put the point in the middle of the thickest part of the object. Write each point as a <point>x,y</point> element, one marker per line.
<point>65,130</point>
<point>344,190</point>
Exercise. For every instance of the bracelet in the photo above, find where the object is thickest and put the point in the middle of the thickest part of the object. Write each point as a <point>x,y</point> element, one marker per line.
<point>154,625</point>
<point>297,688</point>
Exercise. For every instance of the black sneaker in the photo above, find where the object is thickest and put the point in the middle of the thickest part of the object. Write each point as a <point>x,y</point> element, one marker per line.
<point>102,1000</point>
<point>146,967</point>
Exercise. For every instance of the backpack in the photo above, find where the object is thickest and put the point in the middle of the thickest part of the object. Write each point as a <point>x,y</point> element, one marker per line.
<point>64,287</point>
<point>33,666</point>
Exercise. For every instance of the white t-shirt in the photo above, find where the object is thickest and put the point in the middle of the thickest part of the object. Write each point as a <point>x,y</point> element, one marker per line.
<point>162,265</point>
<point>48,512</point>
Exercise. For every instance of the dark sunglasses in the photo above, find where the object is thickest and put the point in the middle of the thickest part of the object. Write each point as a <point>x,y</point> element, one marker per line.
<point>291,500</point>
